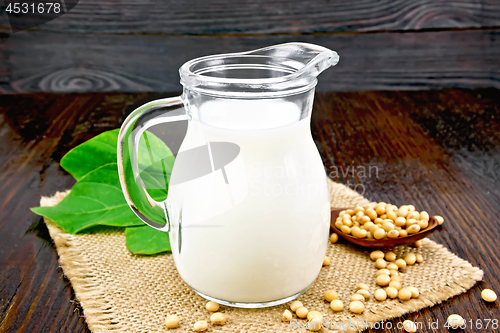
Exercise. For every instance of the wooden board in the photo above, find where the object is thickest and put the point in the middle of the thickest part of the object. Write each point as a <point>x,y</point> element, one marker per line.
<point>271,16</point>
<point>437,149</point>
<point>60,62</point>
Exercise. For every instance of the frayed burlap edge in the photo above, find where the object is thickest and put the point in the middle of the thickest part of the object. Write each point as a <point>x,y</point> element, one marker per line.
<point>99,310</point>
<point>97,307</point>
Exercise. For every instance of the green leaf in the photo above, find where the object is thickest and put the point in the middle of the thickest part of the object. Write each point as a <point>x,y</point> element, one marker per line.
<point>97,198</point>
<point>147,240</point>
<point>92,154</point>
<point>102,149</point>
<point>152,150</point>
<point>156,178</point>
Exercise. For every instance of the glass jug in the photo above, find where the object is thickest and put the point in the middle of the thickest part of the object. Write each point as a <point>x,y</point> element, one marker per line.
<point>248,209</point>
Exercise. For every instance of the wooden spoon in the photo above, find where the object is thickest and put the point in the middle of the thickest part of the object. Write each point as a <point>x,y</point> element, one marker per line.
<point>385,242</point>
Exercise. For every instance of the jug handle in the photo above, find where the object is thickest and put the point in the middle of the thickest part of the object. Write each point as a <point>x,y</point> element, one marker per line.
<point>153,213</point>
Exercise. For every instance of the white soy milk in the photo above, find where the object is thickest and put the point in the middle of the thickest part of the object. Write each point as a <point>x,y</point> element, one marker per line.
<point>259,232</point>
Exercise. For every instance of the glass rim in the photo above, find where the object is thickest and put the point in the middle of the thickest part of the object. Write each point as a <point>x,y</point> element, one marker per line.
<point>297,64</point>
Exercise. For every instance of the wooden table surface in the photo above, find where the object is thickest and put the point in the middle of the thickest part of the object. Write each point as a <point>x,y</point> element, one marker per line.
<point>438,149</point>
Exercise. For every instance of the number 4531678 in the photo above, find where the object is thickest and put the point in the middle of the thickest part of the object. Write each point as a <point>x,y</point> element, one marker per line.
<point>32,8</point>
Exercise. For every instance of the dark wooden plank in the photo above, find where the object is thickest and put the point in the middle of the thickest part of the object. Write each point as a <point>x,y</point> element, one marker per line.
<point>36,131</point>
<point>438,149</point>
<point>468,131</point>
<point>26,165</point>
<point>44,299</point>
<point>272,16</point>
<point>80,62</point>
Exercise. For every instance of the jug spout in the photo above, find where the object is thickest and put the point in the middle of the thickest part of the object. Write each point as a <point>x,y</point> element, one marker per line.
<point>308,59</point>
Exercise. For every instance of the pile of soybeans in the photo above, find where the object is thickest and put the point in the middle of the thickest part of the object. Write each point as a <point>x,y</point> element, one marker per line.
<point>383,220</point>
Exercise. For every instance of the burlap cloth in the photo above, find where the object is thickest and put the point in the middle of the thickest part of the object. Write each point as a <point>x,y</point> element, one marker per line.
<point>121,292</point>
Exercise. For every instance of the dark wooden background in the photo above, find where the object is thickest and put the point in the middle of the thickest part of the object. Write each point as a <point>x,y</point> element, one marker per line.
<point>137,46</point>
<point>438,149</point>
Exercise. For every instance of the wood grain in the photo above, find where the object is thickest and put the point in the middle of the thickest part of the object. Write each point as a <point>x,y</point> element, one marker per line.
<point>82,63</point>
<point>35,131</point>
<point>271,16</point>
<point>437,149</point>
